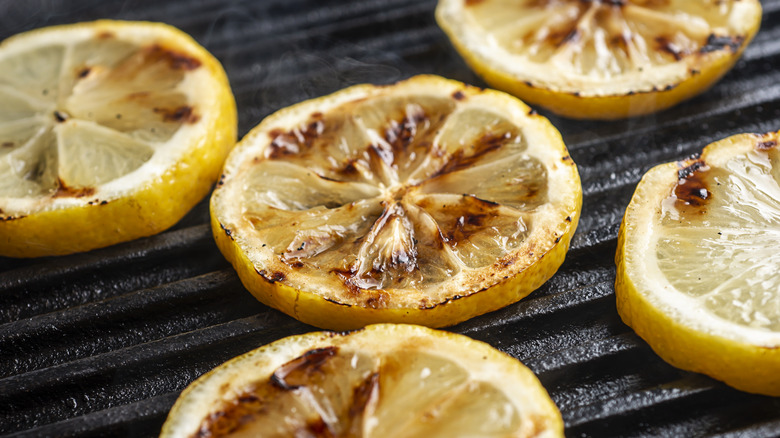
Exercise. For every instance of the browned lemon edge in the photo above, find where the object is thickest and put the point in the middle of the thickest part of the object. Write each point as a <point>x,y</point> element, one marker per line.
<point>311,308</point>
<point>745,367</point>
<point>608,107</point>
<point>189,404</point>
<point>145,212</point>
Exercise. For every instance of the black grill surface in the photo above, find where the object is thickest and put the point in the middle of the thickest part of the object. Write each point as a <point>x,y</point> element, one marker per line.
<point>102,343</point>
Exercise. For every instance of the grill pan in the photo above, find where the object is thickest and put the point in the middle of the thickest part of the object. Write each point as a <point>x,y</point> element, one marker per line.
<point>102,343</point>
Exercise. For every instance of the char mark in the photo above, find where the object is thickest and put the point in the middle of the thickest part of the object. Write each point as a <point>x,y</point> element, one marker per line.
<point>295,373</point>
<point>227,231</point>
<point>296,140</point>
<point>60,116</point>
<point>361,395</point>
<point>715,43</point>
<point>691,189</point>
<point>273,277</point>
<point>347,277</point>
<point>84,72</point>
<point>571,37</point>
<point>487,143</point>
<point>175,60</point>
<point>668,46</point>
<point>64,191</point>
<point>399,135</point>
<point>182,114</point>
<point>689,170</point>
<point>766,145</point>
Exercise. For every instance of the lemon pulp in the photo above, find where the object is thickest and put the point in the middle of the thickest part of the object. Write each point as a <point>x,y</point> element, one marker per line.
<point>600,59</point>
<point>389,201</point>
<point>697,262</point>
<point>101,113</point>
<point>386,380</point>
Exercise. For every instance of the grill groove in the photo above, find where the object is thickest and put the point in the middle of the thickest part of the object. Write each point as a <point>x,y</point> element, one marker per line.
<point>102,343</point>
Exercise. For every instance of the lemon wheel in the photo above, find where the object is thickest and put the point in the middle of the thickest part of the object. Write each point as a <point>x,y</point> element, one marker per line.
<point>698,261</point>
<point>385,380</point>
<point>600,59</point>
<point>426,202</point>
<point>109,131</point>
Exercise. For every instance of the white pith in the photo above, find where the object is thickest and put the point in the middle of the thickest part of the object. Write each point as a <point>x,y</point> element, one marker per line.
<point>725,283</point>
<point>616,49</point>
<point>197,85</point>
<point>429,373</point>
<point>233,202</point>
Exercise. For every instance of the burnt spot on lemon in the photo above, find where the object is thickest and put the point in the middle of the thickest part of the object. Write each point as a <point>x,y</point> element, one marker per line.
<point>385,380</point>
<point>715,43</point>
<point>183,114</point>
<point>601,59</point>
<point>697,261</point>
<point>63,190</point>
<point>176,60</point>
<point>691,189</point>
<point>766,145</point>
<point>118,111</point>
<point>394,198</point>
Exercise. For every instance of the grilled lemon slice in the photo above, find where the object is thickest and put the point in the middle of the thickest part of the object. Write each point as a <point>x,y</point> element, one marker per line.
<point>698,260</point>
<point>109,131</point>
<point>600,59</point>
<point>427,201</point>
<point>385,380</point>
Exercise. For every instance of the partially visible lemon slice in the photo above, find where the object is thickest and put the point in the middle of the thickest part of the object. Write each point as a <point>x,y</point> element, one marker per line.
<point>427,202</point>
<point>109,131</point>
<point>698,262</point>
<point>600,59</point>
<point>383,381</point>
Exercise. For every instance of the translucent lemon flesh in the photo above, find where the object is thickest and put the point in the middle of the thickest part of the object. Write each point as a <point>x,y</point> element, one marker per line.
<point>739,240</point>
<point>95,113</point>
<point>400,197</point>
<point>703,252</point>
<point>78,116</point>
<point>578,57</point>
<point>344,388</point>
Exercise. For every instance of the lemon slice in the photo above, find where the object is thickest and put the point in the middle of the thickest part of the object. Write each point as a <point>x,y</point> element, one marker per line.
<point>109,131</point>
<point>600,59</point>
<point>698,261</point>
<point>385,380</point>
<point>427,201</point>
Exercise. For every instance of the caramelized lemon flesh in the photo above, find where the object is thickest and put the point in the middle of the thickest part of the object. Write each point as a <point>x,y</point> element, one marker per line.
<point>385,380</point>
<point>108,131</point>
<point>697,262</point>
<point>601,59</point>
<point>427,201</point>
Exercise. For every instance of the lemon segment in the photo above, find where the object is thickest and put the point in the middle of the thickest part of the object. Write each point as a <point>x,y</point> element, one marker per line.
<point>109,131</point>
<point>600,59</point>
<point>384,380</point>
<point>426,202</point>
<point>697,262</point>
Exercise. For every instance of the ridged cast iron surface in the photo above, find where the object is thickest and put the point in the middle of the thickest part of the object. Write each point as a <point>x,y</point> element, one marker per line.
<point>102,343</point>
